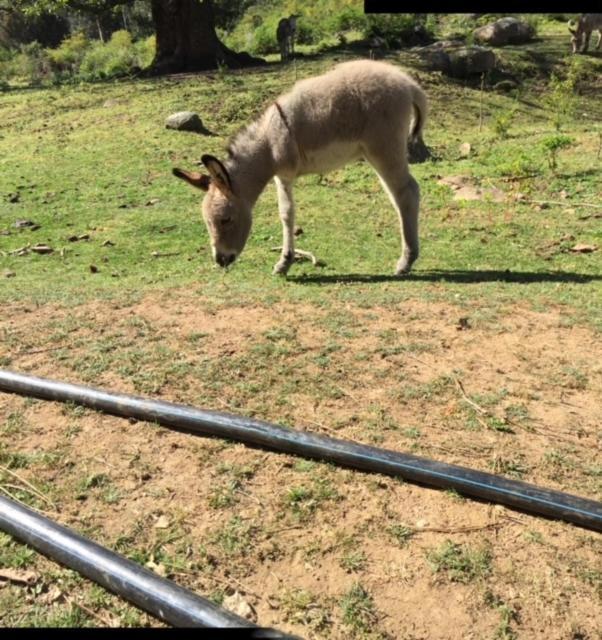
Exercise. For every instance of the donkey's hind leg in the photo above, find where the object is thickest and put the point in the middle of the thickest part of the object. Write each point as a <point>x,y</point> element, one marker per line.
<point>286,209</point>
<point>404,193</point>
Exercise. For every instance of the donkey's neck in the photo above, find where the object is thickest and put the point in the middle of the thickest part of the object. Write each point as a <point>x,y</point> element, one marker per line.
<point>252,169</point>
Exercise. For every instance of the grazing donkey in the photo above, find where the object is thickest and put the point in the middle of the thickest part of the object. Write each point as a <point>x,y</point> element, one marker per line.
<point>359,109</point>
<point>285,34</point>
<point>580,35</point>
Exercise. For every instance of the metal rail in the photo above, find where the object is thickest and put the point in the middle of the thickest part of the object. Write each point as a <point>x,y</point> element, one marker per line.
<point>158,596</point>
<point>469,482</point>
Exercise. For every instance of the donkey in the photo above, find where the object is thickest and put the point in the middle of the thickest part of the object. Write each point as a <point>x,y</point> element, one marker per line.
<point>580,35</point>
<point>285,34</point>
<point>359,109</point>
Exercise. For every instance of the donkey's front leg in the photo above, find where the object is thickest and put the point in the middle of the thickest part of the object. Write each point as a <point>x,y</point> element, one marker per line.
<point>286,209</point>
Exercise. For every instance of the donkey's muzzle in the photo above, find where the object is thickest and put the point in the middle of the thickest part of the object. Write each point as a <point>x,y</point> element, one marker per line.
<point>225,259</point>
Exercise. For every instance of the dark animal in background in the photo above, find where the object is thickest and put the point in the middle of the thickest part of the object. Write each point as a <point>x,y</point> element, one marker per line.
<point>285,34</point>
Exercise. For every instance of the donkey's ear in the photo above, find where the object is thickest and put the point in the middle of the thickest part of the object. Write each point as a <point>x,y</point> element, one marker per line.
<point>218,174</point>
<point>197,180</point>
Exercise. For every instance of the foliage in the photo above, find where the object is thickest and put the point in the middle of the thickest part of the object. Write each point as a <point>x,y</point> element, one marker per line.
<point>395,29</point>
<point>68,56</point>
<point>553,144</point>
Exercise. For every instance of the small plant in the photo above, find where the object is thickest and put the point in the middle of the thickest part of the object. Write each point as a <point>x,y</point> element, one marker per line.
<point>502,121</point>
<point>353,561</point>
<point>460,562</point>
<point>358,609</point>
<point>401,533</point>
<point>553,144</point>
<point>301,606</point>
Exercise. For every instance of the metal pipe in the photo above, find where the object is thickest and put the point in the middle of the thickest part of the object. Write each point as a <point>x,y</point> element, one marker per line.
<point>470,482</point>
<point>158,596</point>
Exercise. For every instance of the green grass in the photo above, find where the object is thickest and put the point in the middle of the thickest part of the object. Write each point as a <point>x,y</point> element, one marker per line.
<point>80,167</point>
<point>460,562</point>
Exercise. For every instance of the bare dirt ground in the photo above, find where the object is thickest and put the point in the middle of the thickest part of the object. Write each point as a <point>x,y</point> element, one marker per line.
<point>314,549</point>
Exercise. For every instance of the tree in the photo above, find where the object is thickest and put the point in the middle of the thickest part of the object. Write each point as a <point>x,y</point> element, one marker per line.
<point>186,38</point>
<point>185,31</point>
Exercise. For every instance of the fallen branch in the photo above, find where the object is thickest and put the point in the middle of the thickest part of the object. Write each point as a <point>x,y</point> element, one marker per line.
<point>565,203</point>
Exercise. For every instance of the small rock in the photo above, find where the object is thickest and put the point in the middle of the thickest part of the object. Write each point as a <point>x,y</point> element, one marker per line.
<point>504,31</point>
<point>184,121</point>
<point>238,605</point>
<point>584,248</point>
<point>22,224</point>
<point>463,323</point>
<point>41,248</point>
<point>465,149</point>
<point>162,522</point>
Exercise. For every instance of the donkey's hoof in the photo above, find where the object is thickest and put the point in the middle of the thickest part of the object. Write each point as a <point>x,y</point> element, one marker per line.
<point>281,267</point>
<point>404,266</point>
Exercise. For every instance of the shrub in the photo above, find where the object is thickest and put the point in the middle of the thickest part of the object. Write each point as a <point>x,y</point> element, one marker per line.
<point>117,57</point>
<point>31,63</point>
<point>67,57</point>
<point>398,29</point>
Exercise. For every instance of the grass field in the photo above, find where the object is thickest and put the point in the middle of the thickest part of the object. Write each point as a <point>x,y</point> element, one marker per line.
<point>488,355</point>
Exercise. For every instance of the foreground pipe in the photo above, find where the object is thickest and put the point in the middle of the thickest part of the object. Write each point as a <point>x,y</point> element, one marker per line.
<point>478,484</point>
<point>158,596</point>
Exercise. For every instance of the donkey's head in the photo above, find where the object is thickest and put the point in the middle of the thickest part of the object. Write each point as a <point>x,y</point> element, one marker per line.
<point>227,216</point>
<point>575,35</point>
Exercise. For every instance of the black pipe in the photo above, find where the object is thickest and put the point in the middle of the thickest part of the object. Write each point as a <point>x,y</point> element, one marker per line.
<point>478,484</point>
<point>158,596</point>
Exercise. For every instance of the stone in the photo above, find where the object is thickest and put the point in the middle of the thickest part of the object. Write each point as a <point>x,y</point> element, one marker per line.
<point>469,61</point>
<point>185,121</point>
<point>504,31</point>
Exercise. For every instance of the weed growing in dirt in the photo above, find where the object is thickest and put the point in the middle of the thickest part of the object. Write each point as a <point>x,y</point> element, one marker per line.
<point>460,562</point>
<point>358,608</point>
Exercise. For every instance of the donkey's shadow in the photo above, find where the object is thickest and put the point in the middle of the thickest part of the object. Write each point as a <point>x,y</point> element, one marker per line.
<point>460,276</point>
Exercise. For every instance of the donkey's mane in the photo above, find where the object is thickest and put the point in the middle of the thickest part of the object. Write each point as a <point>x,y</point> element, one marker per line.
<point>245,137</point>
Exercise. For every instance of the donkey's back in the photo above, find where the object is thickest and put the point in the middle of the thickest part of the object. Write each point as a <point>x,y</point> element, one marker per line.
<point>353,101</point>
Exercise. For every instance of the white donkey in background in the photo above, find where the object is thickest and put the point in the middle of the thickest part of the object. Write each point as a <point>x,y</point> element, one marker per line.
<point>360,109</point>
<point>581,33</point>
<point>285,34</point>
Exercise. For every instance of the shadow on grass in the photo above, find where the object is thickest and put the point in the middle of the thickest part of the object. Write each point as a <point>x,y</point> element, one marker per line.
<point>468,277</point>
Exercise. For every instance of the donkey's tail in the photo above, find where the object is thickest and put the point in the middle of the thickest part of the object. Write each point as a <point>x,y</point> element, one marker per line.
<point>420,111</point>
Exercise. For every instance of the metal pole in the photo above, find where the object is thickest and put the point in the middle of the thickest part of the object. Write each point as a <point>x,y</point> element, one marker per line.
<point>470,482</point>
<point>158,596</point>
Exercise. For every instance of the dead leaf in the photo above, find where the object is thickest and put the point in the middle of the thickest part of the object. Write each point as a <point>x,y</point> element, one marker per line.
<point>584,248</point>
<point>19,576</point>
<point>152,201</point>
<point>83,236</point>
<point>564,195</point>
<point>52,595</point>
<point>108,243</point>
<point>162,522</point>
<point>9,274</point>
<point>465,149</point>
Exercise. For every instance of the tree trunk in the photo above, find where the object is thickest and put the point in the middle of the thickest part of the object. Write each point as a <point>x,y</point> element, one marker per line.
<point>186,38</point>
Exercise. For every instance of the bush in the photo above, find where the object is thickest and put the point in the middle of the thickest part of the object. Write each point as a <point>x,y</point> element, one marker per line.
<point>31,63</point>
<point>67,57</point>
<point>398,30</point>
<point>117,57</point>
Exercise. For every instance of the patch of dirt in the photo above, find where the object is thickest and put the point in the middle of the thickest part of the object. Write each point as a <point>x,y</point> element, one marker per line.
<point>516,393</point>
